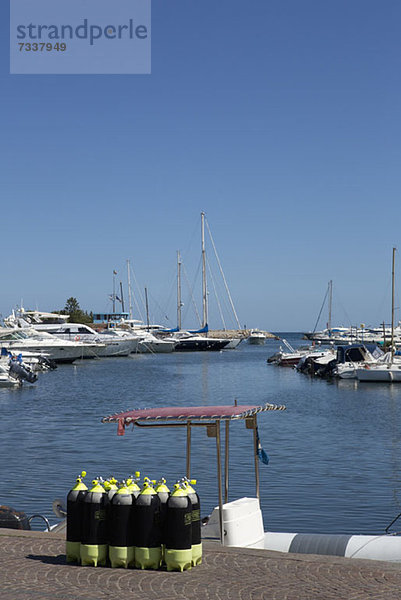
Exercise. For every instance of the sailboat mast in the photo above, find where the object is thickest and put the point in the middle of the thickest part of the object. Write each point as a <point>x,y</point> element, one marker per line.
<point>129,289</point>
<point>392,303</point>
<point>330,304</point>
<point>179,304</point>
<point>122,296</point>
<point>114,291</point>
<point>204,287</point>
<point>147,308</point>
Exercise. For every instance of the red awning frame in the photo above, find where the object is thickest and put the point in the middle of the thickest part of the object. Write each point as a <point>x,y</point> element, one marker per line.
<point>200,416</point>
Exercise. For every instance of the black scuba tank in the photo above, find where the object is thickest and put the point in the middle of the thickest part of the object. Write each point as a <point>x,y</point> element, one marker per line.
<point>94,528</point>
<point>164,494</point>
<point>121,529</point>
<point>178,550</point>
<point>147,529</point>
<point>75,500</point>
<point>196,522</point>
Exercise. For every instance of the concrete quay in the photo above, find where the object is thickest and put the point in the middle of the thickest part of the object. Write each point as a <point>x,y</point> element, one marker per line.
<point>237,333</point>
<point>33,567</point>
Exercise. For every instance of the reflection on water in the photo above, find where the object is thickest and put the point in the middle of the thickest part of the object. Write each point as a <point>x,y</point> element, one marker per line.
<point>334,454</point>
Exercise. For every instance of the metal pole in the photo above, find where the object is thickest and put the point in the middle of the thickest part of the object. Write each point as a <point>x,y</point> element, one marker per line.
<point>122,296</point>
<point>129,289</point>
<point>219,481</point>
<point>114,291</point>
<point>179,304</point>
<point>392,306</point>
<point>189,449</point>
<point>204,287</point>
<point>226,457</point>
<point>256,458</point>
<point>330,304</point>
<point>147,308</point>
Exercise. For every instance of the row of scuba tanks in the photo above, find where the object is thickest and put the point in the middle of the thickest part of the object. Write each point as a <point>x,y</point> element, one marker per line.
<point>125,525</point>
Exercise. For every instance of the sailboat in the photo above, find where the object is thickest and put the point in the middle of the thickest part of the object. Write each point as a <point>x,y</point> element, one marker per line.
<point>388,368</point>
<point>196,339</point>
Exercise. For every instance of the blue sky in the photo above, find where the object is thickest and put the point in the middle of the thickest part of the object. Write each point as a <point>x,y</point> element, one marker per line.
<point>280,120</point>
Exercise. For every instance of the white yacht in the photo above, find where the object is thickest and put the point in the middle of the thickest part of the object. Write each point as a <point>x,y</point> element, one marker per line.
<point>107,343</point>
<point>26,339</point>
<point>256,338</point>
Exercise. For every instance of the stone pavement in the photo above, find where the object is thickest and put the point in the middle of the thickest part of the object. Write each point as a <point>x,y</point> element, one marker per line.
<point>32,567</point>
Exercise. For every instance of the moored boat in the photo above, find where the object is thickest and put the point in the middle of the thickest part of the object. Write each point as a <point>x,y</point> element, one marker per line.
<point>240,522</point>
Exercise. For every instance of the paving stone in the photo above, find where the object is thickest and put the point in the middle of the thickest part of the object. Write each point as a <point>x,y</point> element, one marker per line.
<point>33,567</point>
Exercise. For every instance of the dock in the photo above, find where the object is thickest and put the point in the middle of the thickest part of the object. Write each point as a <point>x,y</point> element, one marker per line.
<point>237,333</point>
<point>33,567</point>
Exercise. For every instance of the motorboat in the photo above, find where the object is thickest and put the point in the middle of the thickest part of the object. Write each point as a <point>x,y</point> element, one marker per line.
<point>293,356</point>
<point>352,357</point>
<point>13,371</point>
<point>256,337</point>
<point>26,339</point>
<point>387,370</point>
<point>317,362</point>
<point>105,343</point>
<point>240,522</point>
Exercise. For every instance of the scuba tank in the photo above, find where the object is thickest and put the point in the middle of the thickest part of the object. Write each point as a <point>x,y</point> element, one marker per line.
<point>132,484</point>
<point>178,551</point>
<point>94,528</point>
<point>147,530</point>
<point>164,494</point>
<point>121,531</point>
<point>75,500</point>
<point>196,522</point>
<point>110,485</point>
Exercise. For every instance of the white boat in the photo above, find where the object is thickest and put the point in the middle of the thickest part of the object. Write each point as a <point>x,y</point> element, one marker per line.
<point>149,343</point>
<point>352,357</point>
<point>293,356</point>
<point>256,337</point>
<point>233,343</point>
<point>25,339</point>
<point>386,370</point>
<point>240,522</point>
<point>13,371</point>
<point>107,343</point>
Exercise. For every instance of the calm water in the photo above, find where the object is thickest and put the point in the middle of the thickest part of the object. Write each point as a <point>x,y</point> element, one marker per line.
<point>335,454</point>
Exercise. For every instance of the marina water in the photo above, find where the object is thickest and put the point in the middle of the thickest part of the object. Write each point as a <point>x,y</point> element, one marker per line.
<point>335,453</point>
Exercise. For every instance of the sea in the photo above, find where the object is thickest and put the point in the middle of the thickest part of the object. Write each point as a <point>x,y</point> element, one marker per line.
<point>334,453</point>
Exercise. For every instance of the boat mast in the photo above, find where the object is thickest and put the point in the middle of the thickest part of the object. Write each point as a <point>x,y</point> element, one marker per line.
<point>330,304</point>
<point>204,287</point>
<point>179,303</point>
<point>114,291</point>
<point>147,308</point>
<point>129,289</point>
<point>392,305</point>
<point>122,296</point>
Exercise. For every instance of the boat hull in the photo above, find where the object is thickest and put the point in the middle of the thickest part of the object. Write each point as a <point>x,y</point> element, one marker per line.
<point>372,547</point>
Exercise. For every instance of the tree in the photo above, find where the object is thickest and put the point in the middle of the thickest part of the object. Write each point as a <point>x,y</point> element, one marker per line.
<point>71,306</point>
<point>77,315</point>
